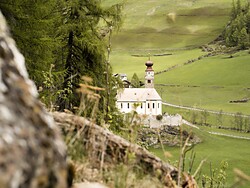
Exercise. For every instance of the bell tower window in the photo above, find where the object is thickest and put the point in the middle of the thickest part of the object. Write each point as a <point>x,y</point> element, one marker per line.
<point>149,74</point>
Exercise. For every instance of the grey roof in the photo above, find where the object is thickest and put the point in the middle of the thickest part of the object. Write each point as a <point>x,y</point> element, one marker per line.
<point>138,94</point>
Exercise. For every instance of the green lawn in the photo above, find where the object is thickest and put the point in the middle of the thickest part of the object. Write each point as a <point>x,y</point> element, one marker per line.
<point>216,149</point>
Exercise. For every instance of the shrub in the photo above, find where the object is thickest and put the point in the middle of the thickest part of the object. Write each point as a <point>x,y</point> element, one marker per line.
<point>159,117</point>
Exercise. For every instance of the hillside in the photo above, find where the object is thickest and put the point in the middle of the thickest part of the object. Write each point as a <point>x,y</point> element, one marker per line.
<point>170,24</point>
<point>178,29</point>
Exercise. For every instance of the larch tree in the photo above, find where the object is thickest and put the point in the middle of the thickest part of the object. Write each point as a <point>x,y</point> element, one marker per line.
<point>135,81</point>
<point>32,27</point>
<point>82,31</point>
<point>238,30</point>
<point>66,37</point>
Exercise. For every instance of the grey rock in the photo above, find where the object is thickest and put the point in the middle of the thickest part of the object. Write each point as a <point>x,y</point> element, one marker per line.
<point>32,153</point>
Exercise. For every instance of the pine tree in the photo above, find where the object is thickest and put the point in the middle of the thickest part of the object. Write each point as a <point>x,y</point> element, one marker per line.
<point>83,44</point>
<point>233,11</point>
<point>237,32</point>
<point>238,7</point>
<point>69,34</point>
<point>243,39</point>
<point>32,27</point>
<point>135,82</point>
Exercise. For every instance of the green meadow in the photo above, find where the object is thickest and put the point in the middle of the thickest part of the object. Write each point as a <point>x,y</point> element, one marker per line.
<point>214,149</point>
<point>210,83</point>
<point>169,24</point>
<point>176,30</point>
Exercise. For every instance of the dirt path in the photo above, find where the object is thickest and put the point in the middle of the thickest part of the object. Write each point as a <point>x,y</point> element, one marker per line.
<point>215,133</point>
<point>229,135</point>
<point>202,110</point>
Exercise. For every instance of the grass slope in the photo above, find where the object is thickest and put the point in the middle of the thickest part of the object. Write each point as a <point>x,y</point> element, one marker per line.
<point>213,71</point>
<point>217,81</point>
<point>151,24</point>
<point>233,151</point>
<point>126,62</point>
<point>147,29</point>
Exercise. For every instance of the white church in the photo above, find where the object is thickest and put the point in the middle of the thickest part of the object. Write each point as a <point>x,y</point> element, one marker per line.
<point>145,101</point>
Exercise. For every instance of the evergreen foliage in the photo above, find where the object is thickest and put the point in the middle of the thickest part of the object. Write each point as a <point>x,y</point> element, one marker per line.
<point>83,45</point>
<point>238,30</point>
<point>135,82</point>
<point>71,37</point>
<point>32,28</point>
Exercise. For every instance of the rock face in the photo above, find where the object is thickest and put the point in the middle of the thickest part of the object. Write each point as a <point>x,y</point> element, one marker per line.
<point>32,153</point>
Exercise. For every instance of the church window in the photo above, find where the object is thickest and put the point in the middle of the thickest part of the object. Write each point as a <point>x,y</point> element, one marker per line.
<point>148,105</point>
<point>128,105</point>
<point>153,105</point>
<point>121,105</point>
<point>158,105</point>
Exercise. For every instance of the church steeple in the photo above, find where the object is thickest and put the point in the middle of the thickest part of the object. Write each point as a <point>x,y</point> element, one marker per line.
<point>149,74</point>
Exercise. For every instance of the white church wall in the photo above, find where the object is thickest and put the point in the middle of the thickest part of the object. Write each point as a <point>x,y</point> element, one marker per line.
<point>127,107</point>
<point>148,107</point>
<point>153,108</point>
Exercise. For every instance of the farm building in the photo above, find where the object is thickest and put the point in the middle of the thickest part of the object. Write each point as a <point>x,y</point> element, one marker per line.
<point>145,101</point>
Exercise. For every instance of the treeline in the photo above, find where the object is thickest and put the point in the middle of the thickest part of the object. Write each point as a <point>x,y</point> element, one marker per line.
<point>237,122</point>
<point>238,30</point>
<point>62,40</point>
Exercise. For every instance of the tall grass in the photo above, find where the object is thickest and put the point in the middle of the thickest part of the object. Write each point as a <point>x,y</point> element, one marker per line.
<point>215,149</point>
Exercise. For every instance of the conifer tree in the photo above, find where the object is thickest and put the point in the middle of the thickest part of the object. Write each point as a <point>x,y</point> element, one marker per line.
<point>135,82</point>
<point>69,34</point>
<point>83,45</point>
<point>237,32</point>
<point>32,27</point>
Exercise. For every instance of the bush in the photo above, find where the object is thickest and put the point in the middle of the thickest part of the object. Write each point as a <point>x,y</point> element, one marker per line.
<point>159,117</point>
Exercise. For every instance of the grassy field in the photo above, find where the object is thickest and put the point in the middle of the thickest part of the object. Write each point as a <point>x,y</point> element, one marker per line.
<point>209,83</point>
<point>213,71</point>
<point>126,62</point>
<point>178,28</point>
<point>169,24</point>
<point>148,29</point>
<point>233,151</point>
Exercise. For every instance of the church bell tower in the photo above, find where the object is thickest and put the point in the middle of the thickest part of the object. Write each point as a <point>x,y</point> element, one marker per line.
<point>149,74</point>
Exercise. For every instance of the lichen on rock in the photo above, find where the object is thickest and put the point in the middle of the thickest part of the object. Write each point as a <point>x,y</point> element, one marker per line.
<point>32,152</point>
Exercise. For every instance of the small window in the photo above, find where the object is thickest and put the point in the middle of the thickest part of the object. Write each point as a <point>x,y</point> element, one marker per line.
<point>128,105</point>
<point>148,105</point>
<point>158,105</point>
<point>149,81</point>
<point>153,105</point>
<point>121,105</point>
<point>141,105</point>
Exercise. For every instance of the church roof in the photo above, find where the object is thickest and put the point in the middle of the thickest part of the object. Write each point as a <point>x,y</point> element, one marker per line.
<point>138,94</point>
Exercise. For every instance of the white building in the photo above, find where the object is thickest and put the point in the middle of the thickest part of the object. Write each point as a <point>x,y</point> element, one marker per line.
<point>143,100</point>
